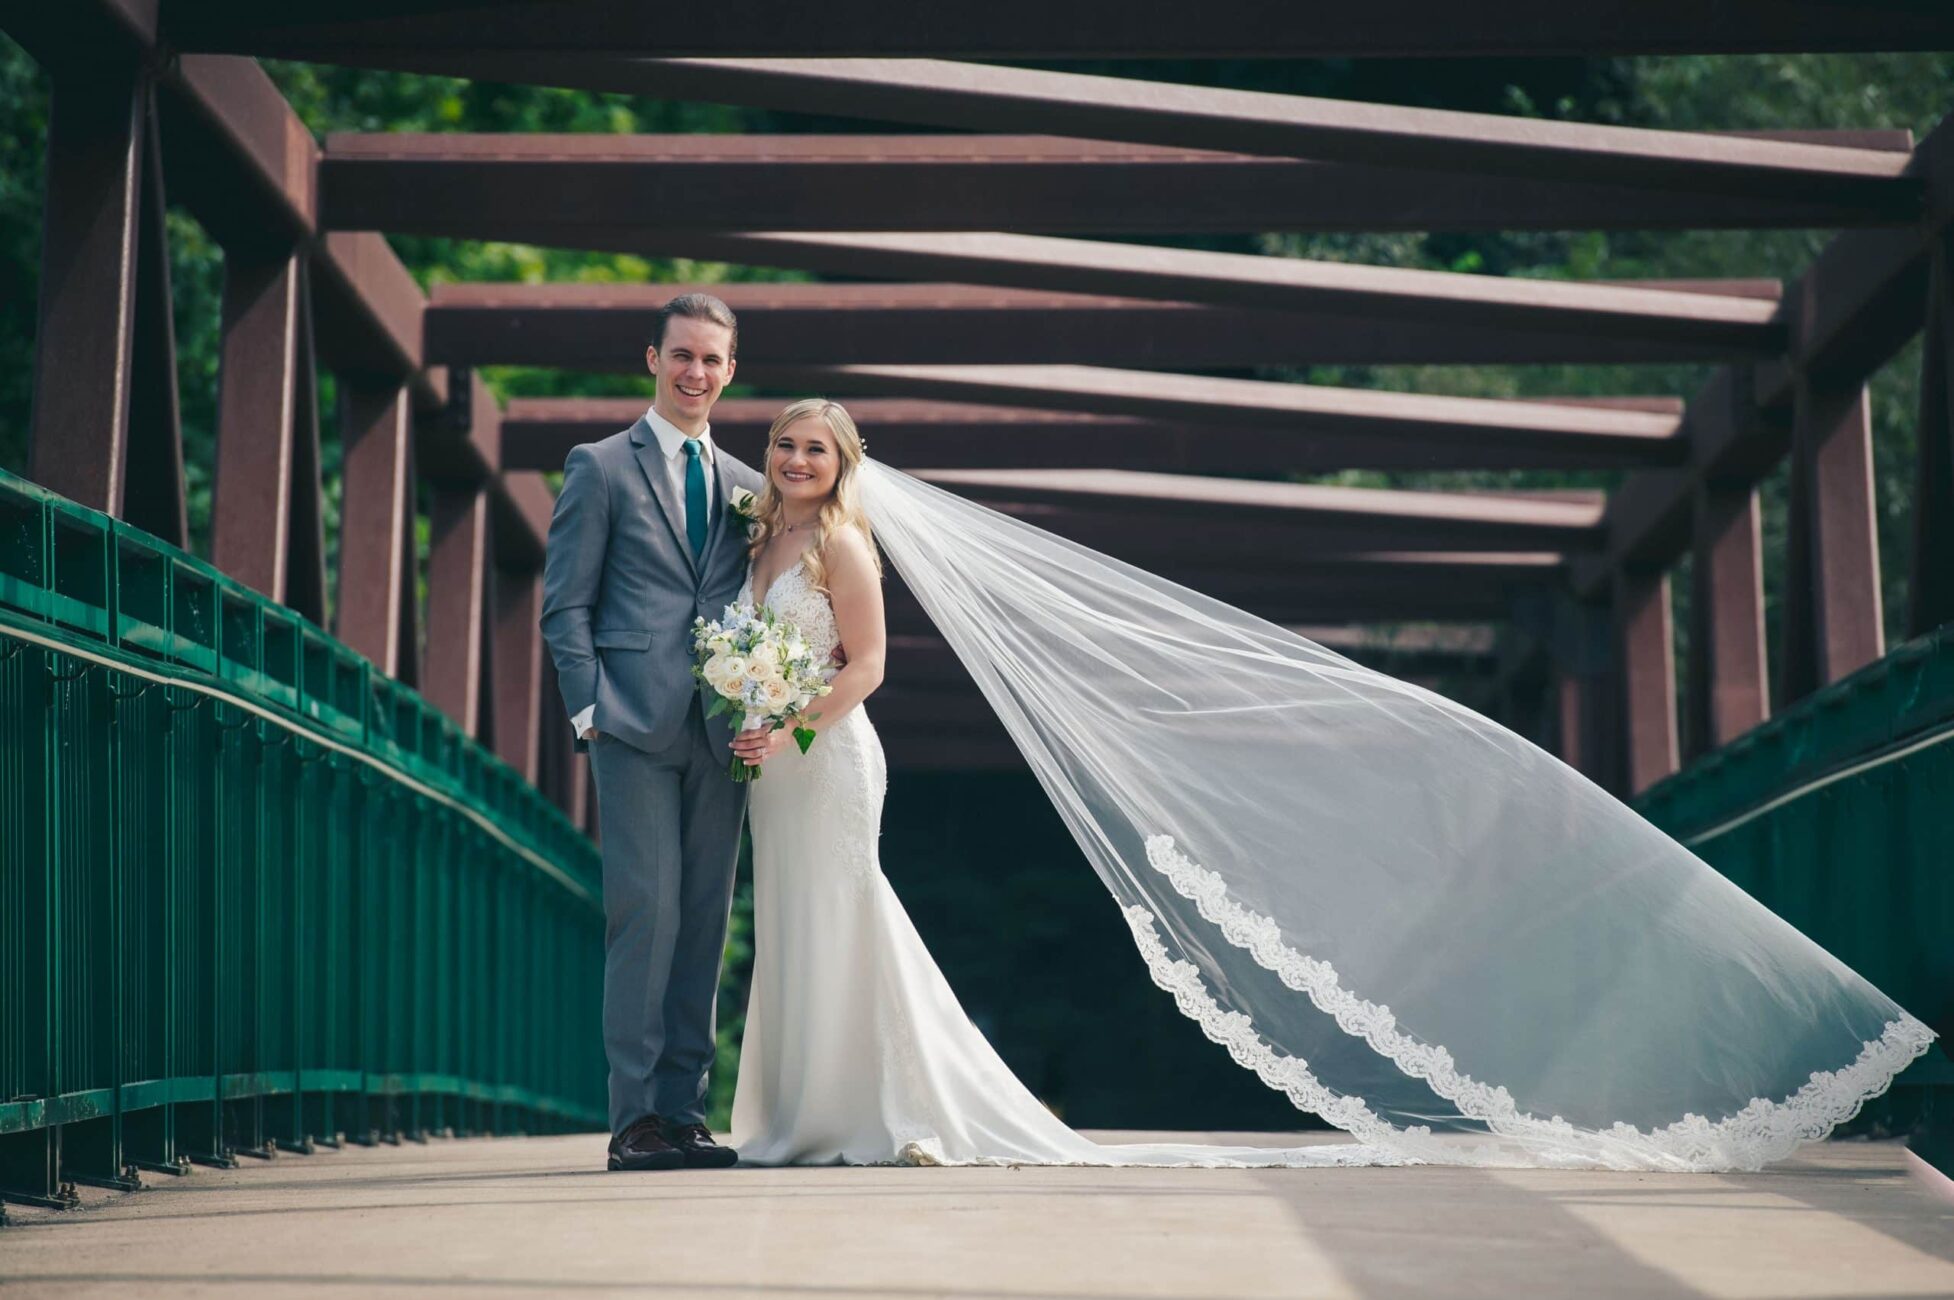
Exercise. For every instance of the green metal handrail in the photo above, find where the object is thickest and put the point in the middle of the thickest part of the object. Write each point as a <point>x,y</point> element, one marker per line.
<point>253,893</point>
<point>1838,814</point>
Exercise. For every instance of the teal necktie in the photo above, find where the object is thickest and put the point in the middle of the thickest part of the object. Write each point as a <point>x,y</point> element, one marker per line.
<point>695,497</point>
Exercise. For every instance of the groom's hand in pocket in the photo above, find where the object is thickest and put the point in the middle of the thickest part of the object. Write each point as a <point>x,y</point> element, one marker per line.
<point>758,746</point>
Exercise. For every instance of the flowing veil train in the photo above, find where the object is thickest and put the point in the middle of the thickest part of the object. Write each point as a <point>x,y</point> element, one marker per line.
<point>1415,923</point>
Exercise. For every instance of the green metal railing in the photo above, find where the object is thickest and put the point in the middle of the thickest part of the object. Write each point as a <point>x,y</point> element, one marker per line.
<point>1839,815</point>
<point>253,894</point>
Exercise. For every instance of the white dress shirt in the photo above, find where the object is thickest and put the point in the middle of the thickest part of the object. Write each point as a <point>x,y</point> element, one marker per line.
<point>671,443</point>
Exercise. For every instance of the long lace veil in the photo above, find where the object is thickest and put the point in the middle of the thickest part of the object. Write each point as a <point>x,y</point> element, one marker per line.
<point>1412,921</point>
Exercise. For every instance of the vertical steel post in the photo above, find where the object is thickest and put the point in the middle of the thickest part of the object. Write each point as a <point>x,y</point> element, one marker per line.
<point>1832,614</point>
<point>1648,675</point>
<point>457,589</point>
<point>82,364</point>
<point>378,597</point>
<point>1728,691</point>
<point>1931,600</point>
<point>516,667</point>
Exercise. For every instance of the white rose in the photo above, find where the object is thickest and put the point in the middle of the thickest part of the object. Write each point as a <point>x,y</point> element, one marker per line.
<point>731,667</point>
<point>777,694</point>
<point>765,654</point>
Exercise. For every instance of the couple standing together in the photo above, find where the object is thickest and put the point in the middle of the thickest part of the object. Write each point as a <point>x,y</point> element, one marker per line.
<point>855,1049</point>
<point>1292,838</point>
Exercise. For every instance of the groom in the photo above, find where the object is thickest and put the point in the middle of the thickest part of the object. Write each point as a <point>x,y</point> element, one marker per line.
<point>639,545</point>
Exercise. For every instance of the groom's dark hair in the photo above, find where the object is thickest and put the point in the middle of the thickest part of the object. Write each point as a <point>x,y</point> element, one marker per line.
<point>697,306</point>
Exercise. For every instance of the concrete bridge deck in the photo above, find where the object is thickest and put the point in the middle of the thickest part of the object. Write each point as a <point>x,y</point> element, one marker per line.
<point>533,1217</point>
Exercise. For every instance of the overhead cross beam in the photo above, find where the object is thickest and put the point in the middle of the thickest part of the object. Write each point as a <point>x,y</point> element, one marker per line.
<point>538,433</point>
<point>1376,518</point>
<point>1420,318</point>
<point>1739,319</point>
<point>486,185</point>
<point>1298,408</point>
<point>393,34</point>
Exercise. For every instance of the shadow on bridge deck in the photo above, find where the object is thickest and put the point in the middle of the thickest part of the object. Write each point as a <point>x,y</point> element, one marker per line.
<point>532,1216</point>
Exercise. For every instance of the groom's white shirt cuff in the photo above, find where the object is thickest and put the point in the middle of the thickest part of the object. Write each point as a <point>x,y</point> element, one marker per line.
<point>582,721</point>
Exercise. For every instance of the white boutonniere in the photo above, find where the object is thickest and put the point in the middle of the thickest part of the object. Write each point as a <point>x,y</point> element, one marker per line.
<point>742,505</point>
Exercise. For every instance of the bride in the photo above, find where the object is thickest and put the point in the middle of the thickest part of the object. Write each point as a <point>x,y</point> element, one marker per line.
<point>1288,834</point>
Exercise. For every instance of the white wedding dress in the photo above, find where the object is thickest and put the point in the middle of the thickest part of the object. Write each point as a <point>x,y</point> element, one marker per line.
<point>856,1050</point>
<point>1407,919</point>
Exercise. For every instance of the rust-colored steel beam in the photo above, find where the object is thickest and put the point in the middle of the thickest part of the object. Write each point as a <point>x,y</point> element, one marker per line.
<point>487,186</point>
<point>1408,519</point>
<point>260,391</point>
<point>242,161</point>
<point>537,434</point>
<point>458,605</point>
<point>523,502</point>
<point>1732,438</point>
<point>154,498</point>
<point>462,441</point>
<point>1729,690</point>
<point>1734,324</point>
<point>1648,667</point>
<point>1393,320</point>
<point>515,666</point>
<point>89,245</point>
<point>395,35</point>
<point>1833,619</point>
<point>1298,408</point>
<point>378,570</point>
<point>1931,588</point>
<point>305,582</point>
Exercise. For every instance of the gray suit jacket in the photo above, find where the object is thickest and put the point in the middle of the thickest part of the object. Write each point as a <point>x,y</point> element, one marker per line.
<point>621,587</point>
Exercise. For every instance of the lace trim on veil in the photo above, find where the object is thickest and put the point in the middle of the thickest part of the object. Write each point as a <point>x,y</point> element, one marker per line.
<point>1761,1132</point>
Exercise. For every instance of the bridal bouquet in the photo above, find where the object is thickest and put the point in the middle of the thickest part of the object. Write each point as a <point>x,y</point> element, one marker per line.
<point>760,664</point>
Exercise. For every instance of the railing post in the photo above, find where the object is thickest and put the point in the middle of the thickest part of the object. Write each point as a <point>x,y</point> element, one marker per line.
<point>1727,689</point>
<point>1932,581</point>
<point>1648,677</point>
<point>378,598</point>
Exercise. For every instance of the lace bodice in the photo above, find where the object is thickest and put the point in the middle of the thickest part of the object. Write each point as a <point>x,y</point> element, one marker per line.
<point>800,602</point>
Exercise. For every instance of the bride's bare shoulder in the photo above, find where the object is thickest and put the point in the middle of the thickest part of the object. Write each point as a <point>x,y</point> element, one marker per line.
<point>849,554</point>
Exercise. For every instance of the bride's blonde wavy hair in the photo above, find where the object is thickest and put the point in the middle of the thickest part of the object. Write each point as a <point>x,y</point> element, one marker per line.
<point>842,509</point>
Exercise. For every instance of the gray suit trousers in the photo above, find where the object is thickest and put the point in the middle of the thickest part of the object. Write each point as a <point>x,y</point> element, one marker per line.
<point>671,822</point>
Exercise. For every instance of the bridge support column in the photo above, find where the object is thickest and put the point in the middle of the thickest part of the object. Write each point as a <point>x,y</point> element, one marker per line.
<point>378,612</point>
<point>105,340</point>
<point>1832,613</point>
<point>1728,694</point>
<point>266,526</point>
<point>515,664</point>
<point>1932,586</point>
<point>457,606</point>
<point>1648,678</point>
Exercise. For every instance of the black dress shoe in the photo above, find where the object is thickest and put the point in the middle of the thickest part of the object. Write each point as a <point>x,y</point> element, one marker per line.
<point>642,1145</point>
<point>694,1142</point>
